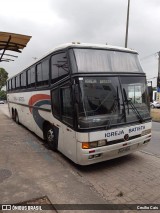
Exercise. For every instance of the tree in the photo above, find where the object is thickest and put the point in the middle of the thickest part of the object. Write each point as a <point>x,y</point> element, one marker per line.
<point>3,95</point>
<point>3,77</point>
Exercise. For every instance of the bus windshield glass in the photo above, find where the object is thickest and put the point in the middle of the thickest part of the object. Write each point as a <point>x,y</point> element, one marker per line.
<point>95,60</point>
<point>102,101</point>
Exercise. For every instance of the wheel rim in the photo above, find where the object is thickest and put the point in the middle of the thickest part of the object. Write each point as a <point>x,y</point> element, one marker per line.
<point>50,135</point>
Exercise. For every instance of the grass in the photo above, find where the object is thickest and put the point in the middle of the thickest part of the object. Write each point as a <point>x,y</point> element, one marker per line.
<point>155,114</point>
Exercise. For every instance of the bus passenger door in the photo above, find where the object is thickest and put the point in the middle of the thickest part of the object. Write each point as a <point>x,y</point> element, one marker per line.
<point>69,135</point>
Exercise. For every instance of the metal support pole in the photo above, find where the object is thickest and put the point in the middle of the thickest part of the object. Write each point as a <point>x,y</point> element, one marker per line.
<point>158,79</point>
<point>150,90</point>
<point>127,24</point>
<point>159,65</point>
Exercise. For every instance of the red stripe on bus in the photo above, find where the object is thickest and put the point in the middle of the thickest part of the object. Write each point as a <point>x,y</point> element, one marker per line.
<point>36,98</point>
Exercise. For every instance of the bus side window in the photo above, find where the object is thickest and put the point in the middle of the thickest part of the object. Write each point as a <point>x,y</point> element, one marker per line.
<point>10,87</point>
<point>13,83</point>
<point>59,67</point>
<point>23,80</point>
<point>28,78</point>
<point>7,85</point>
<point>43,74</point>
<point>67,106</point>
<point>56,103</point>
<point>39,75</point>
<point>31,77</point>
<point>18,82</point>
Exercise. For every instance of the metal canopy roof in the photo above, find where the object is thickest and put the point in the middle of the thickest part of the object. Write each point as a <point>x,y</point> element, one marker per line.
<point>13,42</point>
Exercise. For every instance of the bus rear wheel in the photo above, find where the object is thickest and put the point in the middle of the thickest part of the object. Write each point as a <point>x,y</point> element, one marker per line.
<point>51,137</point>
<point>16,117</point>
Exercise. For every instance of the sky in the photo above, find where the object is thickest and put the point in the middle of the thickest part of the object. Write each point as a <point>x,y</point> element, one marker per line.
<point>55,22</point>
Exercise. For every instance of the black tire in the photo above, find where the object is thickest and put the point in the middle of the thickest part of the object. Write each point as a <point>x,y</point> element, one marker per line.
<point>16,117</point>
<point>13,114</point>
<point>50,137</point>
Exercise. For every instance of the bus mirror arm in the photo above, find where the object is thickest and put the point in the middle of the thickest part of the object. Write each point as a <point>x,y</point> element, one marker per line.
<point>76,92</point>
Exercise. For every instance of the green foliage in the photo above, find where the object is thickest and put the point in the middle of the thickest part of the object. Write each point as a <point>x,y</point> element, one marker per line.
<point>3,95</point>
<point>3,77</point>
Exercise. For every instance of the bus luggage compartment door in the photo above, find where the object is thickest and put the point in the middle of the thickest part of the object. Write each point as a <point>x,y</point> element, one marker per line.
<point>69,143</point>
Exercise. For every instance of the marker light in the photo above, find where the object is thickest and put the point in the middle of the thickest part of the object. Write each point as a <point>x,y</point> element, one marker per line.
<point>85,145</point>
<point>92,151</point>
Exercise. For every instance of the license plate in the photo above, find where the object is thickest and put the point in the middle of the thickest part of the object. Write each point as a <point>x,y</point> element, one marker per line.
<point>125,149</point>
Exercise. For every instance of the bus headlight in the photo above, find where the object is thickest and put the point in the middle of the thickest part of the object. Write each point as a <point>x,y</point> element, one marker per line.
<point>87,145</point>
<point>102,143</point>
<point>90,145</point>
<point>146,132</point>
<point>93,144</point>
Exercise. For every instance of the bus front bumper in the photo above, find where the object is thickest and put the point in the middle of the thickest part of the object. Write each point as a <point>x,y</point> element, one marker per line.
<point>99,154</point>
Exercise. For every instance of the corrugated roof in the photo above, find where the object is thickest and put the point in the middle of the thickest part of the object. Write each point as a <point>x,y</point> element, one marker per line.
<point>13,42</point>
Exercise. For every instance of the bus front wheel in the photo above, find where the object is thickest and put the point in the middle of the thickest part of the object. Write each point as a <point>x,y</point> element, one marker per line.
<point>50,137</point>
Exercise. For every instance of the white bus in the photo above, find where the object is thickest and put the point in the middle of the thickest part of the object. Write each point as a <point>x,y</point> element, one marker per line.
<point>88,101</point>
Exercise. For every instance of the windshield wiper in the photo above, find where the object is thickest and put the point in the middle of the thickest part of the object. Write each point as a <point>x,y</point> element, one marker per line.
<point>134,109</point>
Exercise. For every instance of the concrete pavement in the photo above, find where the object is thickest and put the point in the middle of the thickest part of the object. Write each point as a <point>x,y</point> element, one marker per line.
<point>154,146</point>
<point>29,170</point>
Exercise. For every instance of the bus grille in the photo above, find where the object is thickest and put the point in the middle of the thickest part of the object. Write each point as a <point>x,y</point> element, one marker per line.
<point>122,140</point>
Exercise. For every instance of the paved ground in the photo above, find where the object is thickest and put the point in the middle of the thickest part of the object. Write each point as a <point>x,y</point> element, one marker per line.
<point>29,170</point>
<point>154,146</point>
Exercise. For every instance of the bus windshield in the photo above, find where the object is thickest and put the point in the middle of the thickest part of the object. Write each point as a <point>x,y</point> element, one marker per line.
<point>95,60</point>
<point>102,101</point>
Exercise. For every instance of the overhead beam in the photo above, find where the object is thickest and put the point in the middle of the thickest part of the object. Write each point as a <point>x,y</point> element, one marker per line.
<point>15,56</point>
<point>5,47</point>
<point>12,42</point>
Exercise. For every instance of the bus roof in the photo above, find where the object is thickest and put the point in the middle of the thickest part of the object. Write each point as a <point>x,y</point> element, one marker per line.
<point>87,45</point>
<point>90,45</point>
<point>80,45</point>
